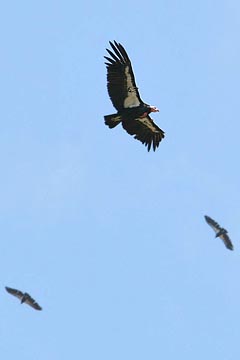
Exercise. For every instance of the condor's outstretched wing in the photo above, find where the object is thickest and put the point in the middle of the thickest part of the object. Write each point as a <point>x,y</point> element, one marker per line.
<point>121,84</point>
<point>225,238</point>
<point>14,292</point>
<point>214,225</point>
<point>145,130</point>
<point>30,301</point>
<point>222,232</point>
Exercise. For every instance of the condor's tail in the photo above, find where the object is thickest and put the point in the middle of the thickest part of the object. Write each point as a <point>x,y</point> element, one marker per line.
<point>112,120</point>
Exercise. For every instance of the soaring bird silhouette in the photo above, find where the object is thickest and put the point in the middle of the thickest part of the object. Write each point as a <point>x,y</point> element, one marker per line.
<point>220,232</point>
<point>24,297</point>
<point>133,113</point>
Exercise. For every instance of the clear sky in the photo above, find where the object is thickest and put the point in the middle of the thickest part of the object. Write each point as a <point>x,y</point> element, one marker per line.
<point>108,238</point>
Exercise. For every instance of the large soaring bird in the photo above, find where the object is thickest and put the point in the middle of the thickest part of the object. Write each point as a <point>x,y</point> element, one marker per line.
<point>132,112</point>
<point>24,297</point>
<point>220,232</point>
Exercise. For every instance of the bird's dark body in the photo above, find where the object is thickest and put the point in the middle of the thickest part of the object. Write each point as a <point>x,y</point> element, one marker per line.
<point>25,297</point>
<point>135,112</point>
<point>221,232</point>
<point>130,114</point>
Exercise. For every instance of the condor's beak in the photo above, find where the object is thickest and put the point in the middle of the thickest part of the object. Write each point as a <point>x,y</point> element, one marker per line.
<point>154,109</point>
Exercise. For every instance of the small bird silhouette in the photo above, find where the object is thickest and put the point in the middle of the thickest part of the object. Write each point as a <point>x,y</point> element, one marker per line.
<point>24,297</point>
<point>220,232</point>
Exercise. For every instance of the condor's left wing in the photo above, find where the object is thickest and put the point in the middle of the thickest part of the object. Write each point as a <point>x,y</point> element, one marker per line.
<point>14,292</point>
<point>31,302</point>
<point>227,242</point>
<point>145,130</point>
<point>121,84</point>
<point>214,225</point>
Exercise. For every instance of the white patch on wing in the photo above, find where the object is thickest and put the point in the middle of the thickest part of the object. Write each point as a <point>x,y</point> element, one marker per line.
<point>19,296</point>
<point>145,121</point>
<point>116,118</point>
<point>214,228</point>
<point>131,100</point>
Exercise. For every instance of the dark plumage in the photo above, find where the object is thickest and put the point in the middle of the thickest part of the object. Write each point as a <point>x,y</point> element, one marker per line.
<point>24,297</point>
<point>220,232</point>
<point>133,113</point>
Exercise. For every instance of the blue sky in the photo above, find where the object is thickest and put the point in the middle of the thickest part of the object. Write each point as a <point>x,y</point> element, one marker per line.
<point>108,238</point>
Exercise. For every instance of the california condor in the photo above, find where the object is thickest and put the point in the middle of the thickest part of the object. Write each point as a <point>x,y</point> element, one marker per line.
<point>220,232</point>
<point>24,297</point>
<point>132,112</point>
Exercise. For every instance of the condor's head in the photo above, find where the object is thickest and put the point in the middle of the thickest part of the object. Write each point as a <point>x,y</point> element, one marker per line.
<point>149,109</point>
<point>153,108</point>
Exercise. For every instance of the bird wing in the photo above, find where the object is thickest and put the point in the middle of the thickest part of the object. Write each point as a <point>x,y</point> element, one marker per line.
<point>121,84</point>
<point>145,130</point>
<point>30,301</point>
<point>214,225</point>
<point>14,292</point>
<point>225,238</point>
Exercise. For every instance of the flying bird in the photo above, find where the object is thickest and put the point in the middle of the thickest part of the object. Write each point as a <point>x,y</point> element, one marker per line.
<point>220,232</point>
<point>24,297</point>
<point>132,112</point>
